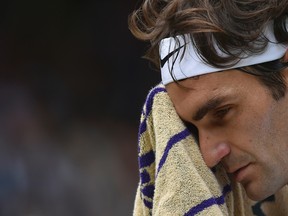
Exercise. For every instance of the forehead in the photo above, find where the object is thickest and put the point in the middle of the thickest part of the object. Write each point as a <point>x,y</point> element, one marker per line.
<point>224,85</point>
<point>209,84</point>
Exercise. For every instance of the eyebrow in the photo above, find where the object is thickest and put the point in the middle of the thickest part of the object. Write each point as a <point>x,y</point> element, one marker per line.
<point>208,106</point>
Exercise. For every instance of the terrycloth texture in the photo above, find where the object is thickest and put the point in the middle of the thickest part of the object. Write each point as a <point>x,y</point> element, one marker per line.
<point>174,179</point>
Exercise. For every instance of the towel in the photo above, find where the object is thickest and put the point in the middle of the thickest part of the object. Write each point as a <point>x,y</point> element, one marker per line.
<point>173,178</point>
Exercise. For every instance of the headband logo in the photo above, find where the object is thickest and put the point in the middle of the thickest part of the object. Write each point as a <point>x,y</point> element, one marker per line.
<point>166,58</point>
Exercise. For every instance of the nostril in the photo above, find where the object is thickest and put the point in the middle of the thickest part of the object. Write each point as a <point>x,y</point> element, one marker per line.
<point>213,155</point>
<point>212,149</point>
<point>223,149</point>
<point>220,152</point>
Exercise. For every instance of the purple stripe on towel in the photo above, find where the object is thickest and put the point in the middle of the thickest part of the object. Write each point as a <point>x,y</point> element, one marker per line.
<point>148,204</point>
<point>209,202</point>
<point>146,159</point>
<point>145,177</point>
<point>149,104</point>
<point>173,140</point>
<point>149,100</point>
<point>148,191</point>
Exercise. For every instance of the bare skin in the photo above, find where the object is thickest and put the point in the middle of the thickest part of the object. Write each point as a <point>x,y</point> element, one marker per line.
<point>240,125</point>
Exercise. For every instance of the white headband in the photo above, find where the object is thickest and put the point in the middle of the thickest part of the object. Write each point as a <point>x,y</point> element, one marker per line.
<point>191,64</point>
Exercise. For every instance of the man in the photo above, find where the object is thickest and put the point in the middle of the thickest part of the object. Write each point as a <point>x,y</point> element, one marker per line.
<point>223,64</point>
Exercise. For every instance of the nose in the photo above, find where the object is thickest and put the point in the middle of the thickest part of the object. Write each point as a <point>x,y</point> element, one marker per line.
<point>213,147</point>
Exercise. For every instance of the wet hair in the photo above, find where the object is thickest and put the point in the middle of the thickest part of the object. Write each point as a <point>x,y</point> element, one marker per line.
<point>233,26</point>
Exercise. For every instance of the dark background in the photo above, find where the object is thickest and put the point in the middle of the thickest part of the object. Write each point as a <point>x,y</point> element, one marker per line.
<point>72,86</point>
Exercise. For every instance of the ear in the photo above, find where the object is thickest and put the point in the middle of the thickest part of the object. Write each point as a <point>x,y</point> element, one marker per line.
<point>285,57</point>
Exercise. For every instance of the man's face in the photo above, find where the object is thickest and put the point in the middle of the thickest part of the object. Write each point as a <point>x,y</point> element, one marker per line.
<point>240,125</point>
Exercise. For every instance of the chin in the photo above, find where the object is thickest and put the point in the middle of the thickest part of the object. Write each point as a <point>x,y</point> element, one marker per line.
<point>258,192</point>
<point>257,196</point>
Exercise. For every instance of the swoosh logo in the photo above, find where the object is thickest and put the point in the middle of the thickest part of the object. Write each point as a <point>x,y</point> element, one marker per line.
<point>165,59</point>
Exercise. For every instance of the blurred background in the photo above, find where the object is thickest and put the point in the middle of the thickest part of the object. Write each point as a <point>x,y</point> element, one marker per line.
<point>72,86</point>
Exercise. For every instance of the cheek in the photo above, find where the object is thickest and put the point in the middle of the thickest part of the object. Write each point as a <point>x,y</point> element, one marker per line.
<point>263,139</point>
<point>253,131</point>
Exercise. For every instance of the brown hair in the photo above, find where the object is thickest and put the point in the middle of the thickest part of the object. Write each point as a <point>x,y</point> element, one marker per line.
<point>231,25</point>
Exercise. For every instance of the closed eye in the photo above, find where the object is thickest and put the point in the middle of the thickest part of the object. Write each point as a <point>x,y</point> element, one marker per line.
<point>221,113</point>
